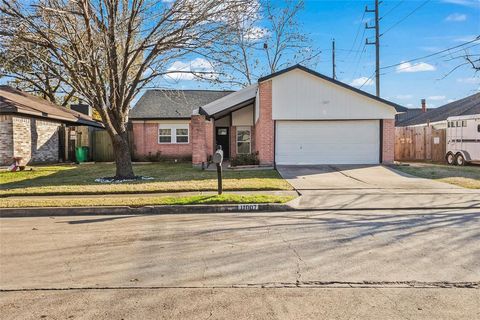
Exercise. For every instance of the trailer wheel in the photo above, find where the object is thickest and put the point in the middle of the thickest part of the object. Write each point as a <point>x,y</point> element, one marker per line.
<point>450,158</point>
<point>460,160</point>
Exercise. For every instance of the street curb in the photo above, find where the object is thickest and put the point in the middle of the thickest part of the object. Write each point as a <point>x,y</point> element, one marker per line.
<point>144,210</point>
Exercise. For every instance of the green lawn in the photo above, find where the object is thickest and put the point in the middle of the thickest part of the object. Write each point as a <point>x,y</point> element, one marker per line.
<point>168,177</point>
<point>466,176</point>
<point>143,201</point>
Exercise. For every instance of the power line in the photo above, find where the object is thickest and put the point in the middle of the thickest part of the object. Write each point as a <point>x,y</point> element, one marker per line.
<point>433,54</point>
<point>408,15</point>
<point>391,10</point>
<point>366,81</point>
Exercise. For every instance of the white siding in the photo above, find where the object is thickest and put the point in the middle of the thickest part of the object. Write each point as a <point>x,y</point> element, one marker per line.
<point>243,117</point>
<point>298,95</point>
<point>257,106</point>
<point>327,142</point>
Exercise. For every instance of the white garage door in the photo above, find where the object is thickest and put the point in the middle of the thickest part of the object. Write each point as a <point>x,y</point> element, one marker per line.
<point>327,142</point>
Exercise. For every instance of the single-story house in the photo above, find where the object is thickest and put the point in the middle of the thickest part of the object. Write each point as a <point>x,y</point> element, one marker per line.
<point>437,117</point>
<point>34,129</point>
<point>294,116</point>
<point>161,121</point>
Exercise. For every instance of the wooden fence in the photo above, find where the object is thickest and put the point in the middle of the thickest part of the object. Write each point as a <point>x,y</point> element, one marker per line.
<point>420,144</point>
<point>102,149</point>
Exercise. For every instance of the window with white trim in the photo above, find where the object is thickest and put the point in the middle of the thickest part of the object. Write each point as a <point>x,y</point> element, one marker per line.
<point>173,133</point>
<point>244,140</point>
<point>181,135</point>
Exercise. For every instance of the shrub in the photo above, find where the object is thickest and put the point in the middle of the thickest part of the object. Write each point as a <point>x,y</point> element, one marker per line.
<point>245,160</point>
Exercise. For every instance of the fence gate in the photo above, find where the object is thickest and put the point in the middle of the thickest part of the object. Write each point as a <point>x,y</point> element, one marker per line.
<point>420,144</point>
<point>102,146</point>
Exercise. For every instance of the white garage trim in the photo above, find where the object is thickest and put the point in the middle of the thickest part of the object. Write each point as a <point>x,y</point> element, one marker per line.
<point>327,142</point>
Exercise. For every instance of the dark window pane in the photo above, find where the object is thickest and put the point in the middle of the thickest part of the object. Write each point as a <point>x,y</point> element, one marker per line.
<point>165,139</point>
<point>164,132</point>
<point>243,135</point>
<point>182,132</point>
<point>182,139</point>
<point>243,147</point>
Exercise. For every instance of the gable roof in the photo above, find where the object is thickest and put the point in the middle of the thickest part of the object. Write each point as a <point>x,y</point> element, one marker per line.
<point>466,106</point>
<point>13,101</point>
<point>397,107</point>
<point>227,104</point>
<point>173,104</point>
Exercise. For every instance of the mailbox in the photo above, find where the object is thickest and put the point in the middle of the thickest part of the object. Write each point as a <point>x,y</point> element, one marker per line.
<point>218,159</point>
<point>218,155</point>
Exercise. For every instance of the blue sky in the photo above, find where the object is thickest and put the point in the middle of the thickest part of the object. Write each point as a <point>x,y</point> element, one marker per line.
<point>437,25</point>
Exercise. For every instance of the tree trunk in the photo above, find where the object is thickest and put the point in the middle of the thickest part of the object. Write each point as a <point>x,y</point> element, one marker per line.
<point>123,159</point>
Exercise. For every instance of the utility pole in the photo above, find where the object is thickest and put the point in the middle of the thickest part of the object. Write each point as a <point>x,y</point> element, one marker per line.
<point>334,75</point>
<point>376,43</point>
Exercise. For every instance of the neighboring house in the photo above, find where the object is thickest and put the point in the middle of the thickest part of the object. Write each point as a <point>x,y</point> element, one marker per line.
<point>294,116</point>
<point>437,117</point>
<point>161,121</point>
<point>33,129</point>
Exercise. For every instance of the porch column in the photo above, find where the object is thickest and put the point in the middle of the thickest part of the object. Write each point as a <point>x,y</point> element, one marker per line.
<point>264,127</point>
<point>199,140</point>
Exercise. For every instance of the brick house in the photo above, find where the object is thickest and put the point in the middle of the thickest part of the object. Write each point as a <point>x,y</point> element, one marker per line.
<point>31,127</point>
<point>292,117</point>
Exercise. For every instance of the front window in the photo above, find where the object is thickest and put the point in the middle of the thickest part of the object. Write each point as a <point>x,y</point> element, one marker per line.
<point>243,140</point>
<point>173,133</point>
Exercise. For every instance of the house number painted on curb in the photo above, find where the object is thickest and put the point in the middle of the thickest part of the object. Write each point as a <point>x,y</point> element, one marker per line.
<point>248,207</point>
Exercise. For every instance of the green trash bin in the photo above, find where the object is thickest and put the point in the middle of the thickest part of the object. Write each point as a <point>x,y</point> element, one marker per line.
<point>81,153</point>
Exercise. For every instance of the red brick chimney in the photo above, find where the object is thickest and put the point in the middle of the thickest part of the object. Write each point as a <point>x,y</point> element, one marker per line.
<point>424,105</point>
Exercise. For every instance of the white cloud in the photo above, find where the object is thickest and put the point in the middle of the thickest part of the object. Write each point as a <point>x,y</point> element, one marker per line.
<point>436,98</point>
<point>466,3</point>
<point>198,67</point>
<point>409,105</point>
<point>415,67</point>
<point>456,17</point>
<point>404,96</point>
<point>362,81</point>
<point>472,80</point>
<point>450,100</point>
<point>256,33</point>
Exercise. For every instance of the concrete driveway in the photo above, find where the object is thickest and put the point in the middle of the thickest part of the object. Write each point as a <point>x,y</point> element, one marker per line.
<point>341,177</point>
<point>372,187</point>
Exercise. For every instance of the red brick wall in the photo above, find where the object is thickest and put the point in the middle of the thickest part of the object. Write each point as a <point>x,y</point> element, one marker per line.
<point>388,145</point>
<point>210,139</point>
<point>233,141</point>
<point>264,127</point>
<point>145,142</point>
<point>199,140</point>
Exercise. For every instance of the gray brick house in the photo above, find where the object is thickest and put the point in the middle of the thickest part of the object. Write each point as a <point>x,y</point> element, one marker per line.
<point>33,129</point>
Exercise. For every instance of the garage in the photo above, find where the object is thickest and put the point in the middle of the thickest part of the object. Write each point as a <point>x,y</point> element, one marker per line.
<point>327,142</point>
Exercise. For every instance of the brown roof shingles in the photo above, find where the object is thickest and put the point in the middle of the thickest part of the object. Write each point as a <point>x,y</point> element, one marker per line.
<point>16,101</point>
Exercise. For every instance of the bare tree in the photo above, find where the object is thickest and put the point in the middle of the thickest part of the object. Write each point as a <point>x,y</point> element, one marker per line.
<point>269,40</point>
<point>108,50</point>
<point>21,64</point>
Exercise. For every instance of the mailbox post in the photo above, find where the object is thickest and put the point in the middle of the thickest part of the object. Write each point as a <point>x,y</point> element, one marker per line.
<point>218,159</point>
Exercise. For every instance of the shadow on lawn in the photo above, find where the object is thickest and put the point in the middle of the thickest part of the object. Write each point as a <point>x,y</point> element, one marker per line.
<point>85,175</point>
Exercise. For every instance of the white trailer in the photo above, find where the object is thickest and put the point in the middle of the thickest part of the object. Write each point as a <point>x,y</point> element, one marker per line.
<point>463,139</point>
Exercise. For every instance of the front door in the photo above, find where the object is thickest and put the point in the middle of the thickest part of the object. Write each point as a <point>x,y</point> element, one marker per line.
<point>223,139</point>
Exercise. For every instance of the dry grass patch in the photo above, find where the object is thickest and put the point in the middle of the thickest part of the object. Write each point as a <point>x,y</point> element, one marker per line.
<point>143,201</point>
<point>467,176</point>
